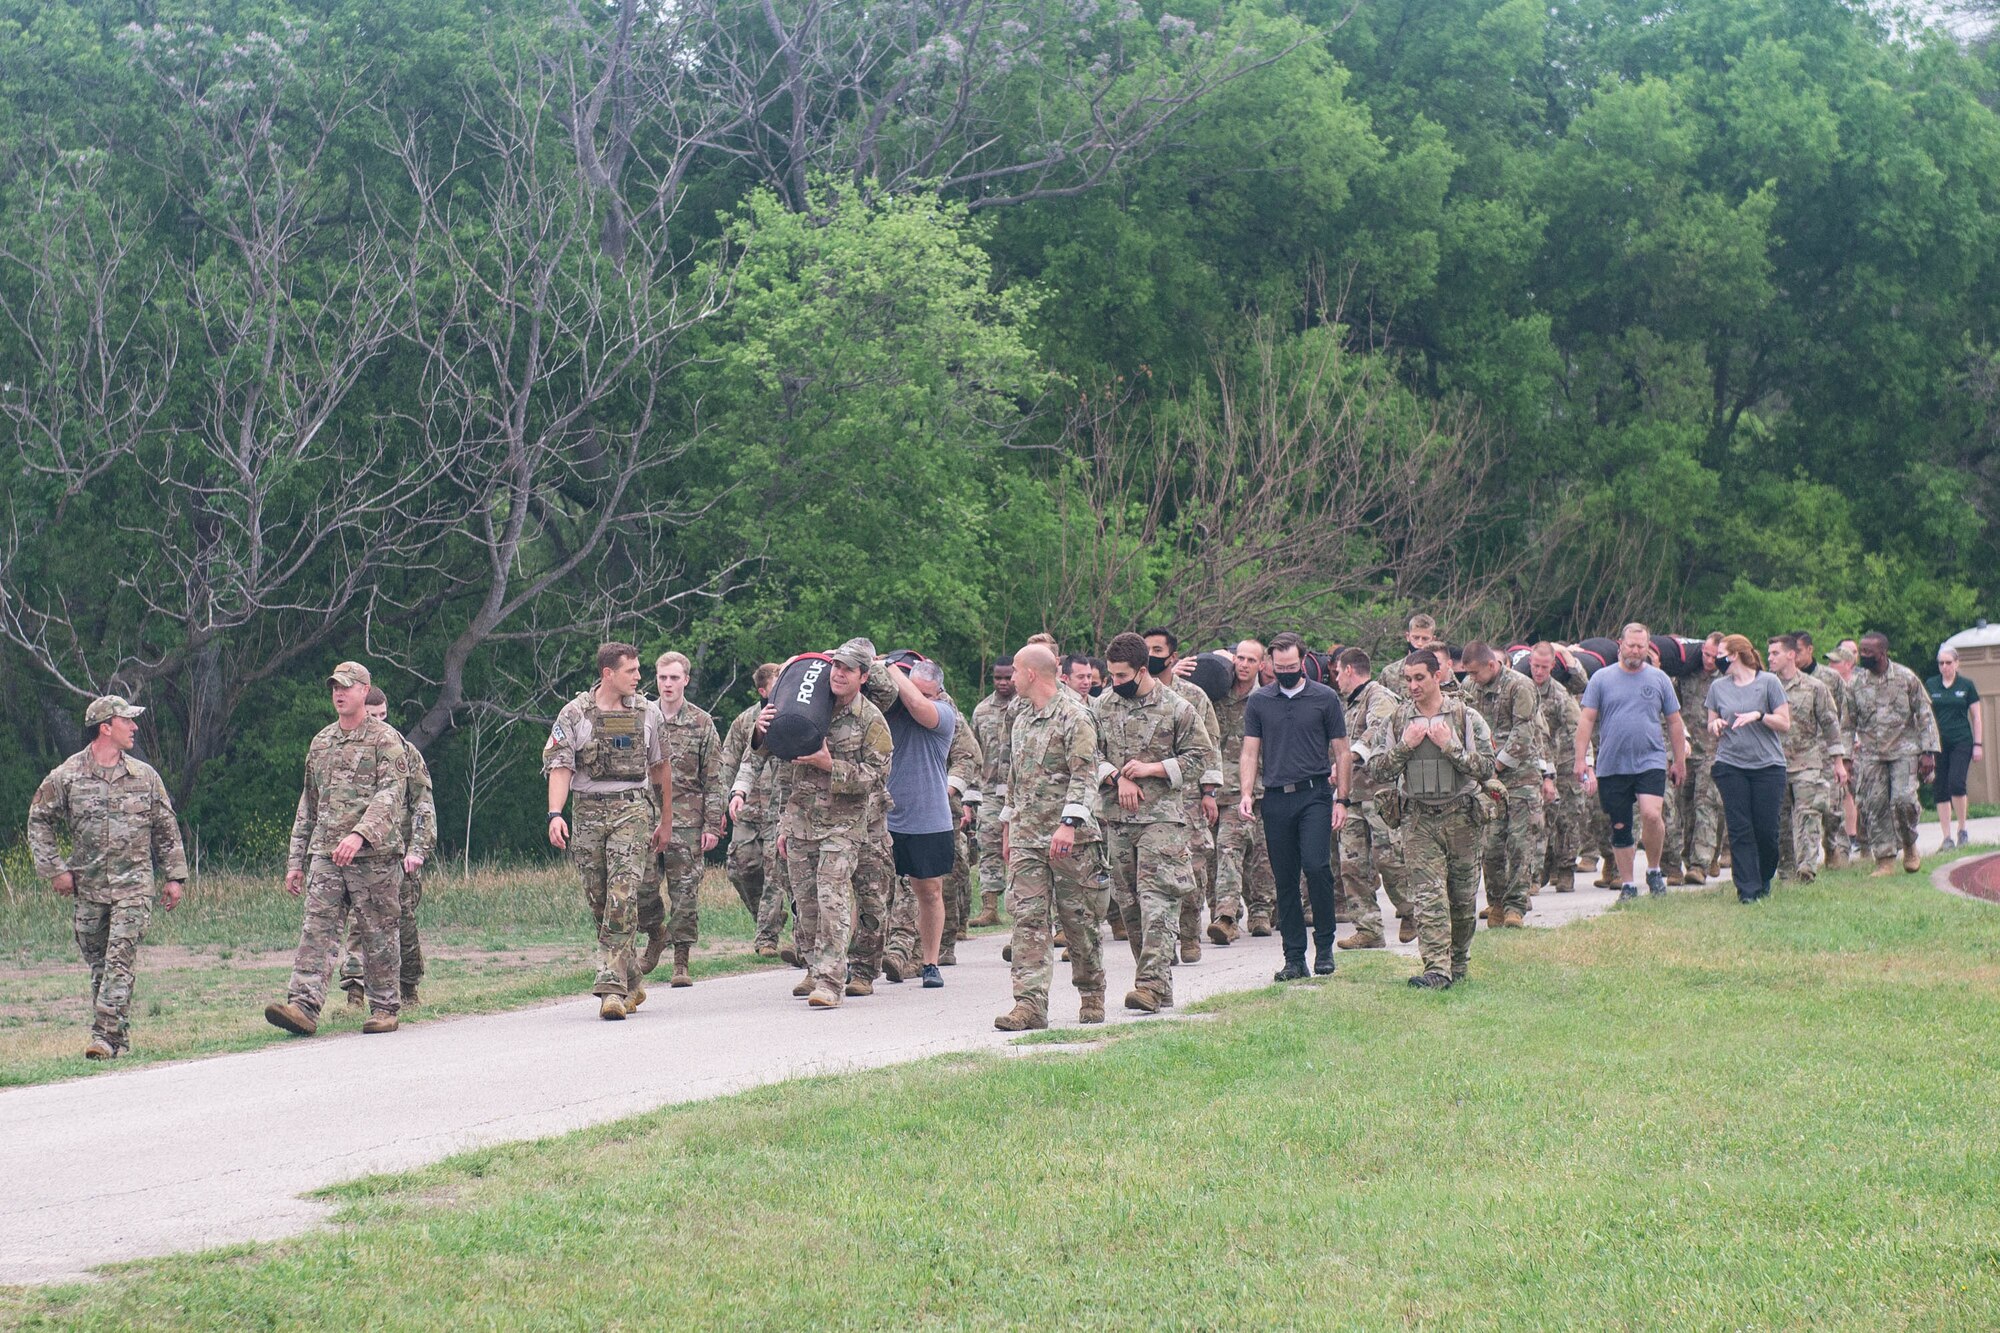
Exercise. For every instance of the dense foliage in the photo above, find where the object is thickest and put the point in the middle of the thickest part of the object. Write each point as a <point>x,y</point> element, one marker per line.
<point>456,337</point>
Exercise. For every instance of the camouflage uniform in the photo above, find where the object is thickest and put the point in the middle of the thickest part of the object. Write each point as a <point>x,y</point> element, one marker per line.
<point>695,752</point>
<point>121,830</point>
<point>1889,723</point>
<point>1444,809</point>
<point>747,832</point>
<point>1812,791</point>
<point>610,755</point>
<point>1370,852</point>
<point>420,837</point>
<point>990,719</point>
<point>356,782</point>
<point>1560,718</point>
<point>1052,774</point>
<point>1148,847</point>
<point>1243,888</point>
<point>828,817</point>
<point>1201,837</point>
<point>1694,809</point>
<point>1833,839</point>
<point>1513,841</point>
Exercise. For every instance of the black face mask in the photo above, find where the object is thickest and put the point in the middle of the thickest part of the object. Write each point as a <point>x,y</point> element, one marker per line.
<point>1871,662</point>
<point>1128,689</point>
<point>1156,665</point>
<point>1096,690</point>
<point>1288,680</point>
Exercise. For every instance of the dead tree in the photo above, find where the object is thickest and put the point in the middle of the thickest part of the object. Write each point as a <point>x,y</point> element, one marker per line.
<point>547,401</point>
<point>240,510</point>
<point>1308,487</point>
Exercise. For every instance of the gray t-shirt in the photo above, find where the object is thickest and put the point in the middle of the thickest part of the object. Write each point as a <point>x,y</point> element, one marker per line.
<point>917,771</point>
<point>1630,706</point>
<point>1754,746</point>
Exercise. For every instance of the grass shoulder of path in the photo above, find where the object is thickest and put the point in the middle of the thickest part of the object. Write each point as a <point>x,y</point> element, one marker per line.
<point>1685,1114</point>
<point>495,939</point>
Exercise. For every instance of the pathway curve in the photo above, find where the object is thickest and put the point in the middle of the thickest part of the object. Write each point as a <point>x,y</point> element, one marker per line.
<point>179,1157</point>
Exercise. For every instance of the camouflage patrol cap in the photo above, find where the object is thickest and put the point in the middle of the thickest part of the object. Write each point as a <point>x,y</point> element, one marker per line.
<point>107,707</point>
<point>856,653</point>
<point>350,673</point>
<point>1840,655</point>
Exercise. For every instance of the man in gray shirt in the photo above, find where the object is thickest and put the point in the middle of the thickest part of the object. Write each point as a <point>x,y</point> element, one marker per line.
<point>1633,700</point>
<point>920,822</point>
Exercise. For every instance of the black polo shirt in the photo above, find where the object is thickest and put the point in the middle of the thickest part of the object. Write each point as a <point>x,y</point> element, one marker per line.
<point>1296,732</point>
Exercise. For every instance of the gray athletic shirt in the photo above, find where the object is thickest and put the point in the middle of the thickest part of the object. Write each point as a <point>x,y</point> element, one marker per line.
<point>1631,706</point>
<point>917,771</point>
<point>1754,746</point>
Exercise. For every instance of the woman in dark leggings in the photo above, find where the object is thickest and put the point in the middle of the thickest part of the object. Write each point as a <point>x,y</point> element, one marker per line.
<point>1747,715</point>
<point>1955,705</point>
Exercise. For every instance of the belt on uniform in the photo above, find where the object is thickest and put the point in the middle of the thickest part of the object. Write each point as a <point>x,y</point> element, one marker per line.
<point>1291,787</point>
<point>625,794</point>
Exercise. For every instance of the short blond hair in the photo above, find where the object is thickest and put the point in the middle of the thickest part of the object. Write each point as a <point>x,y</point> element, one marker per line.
<point>670,658</point>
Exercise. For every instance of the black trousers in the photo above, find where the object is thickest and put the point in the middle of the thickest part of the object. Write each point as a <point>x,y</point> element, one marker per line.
<point>1298,836</point>
<point>1751,800</point>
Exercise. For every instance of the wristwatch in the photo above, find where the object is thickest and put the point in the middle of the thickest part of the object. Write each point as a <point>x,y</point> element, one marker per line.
<point>1071,821</point>
<point>555,814</point>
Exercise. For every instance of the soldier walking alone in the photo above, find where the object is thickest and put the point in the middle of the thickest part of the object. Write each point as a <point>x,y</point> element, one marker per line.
<point>122,833</point>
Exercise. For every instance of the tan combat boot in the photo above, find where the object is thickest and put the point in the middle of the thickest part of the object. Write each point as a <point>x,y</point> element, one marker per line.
<point>856,986</point>
<point>1021,1018</point>
<point>656,944</point>
<point>1363,939</point>
<point>356,998</point>
<point>823,998</point>
<point>1912,861</point>
<point>291,1018</point>
<point>1143,1000</point>
<point>1190,951</point>
<point>611,1008</point>
<point>681,977</point>
<point>1885,866</point>
<point>1607,878</point>
<point>99,1049</point>
<point>1495,913</point>
<point>989,911</point>
<point>634,998</point>
<point>1222,930</point>
<point>1117,925</point>
<point>1837,858</point>
<point>1406,929</point>
<point>1260,925</point>
<point>791,957</point>
<point>1586,863</point>
<point>1091,1010</point>
<point>1513,920</point>
<point>379,1022</point>
<point>1693,878</point>
<point>766,951</point>
<point>804,988</point>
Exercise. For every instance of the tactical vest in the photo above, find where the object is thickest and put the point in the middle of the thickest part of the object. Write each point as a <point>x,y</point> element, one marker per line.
<point>616,750</point>
<point>1429,777</point>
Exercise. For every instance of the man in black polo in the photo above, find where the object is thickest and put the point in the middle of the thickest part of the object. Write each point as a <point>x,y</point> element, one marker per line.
<point>1296,730</point>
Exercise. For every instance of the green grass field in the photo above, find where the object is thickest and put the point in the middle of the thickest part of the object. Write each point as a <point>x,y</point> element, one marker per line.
<point>496,939</point>
<point>1685,1114</point>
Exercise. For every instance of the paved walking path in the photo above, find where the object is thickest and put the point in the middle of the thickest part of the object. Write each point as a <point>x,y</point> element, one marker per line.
<point>180,1157</point>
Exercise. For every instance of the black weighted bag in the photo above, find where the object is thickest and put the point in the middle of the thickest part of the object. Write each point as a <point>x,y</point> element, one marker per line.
<point>1597,654</point>
<point>1215,673</point>
<point>804,697</point>
<point>1678,657</point>
<point>1317,666</point>
<point>879,687</point>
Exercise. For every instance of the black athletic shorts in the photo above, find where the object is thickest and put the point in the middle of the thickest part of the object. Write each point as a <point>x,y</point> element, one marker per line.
<point>1618,793</point>
<point>1953,763</point>
<point>924,855</point>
